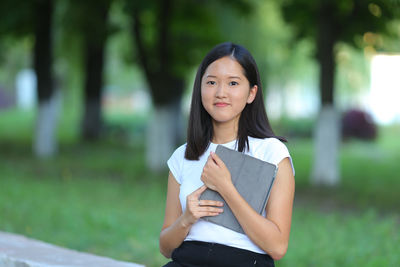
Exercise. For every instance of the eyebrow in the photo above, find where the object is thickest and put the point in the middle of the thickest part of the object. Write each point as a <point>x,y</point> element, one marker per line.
<point>230,77</point>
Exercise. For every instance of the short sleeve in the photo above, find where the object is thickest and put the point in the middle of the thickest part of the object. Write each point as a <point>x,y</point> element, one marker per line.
<point>276,151</point>
<point>175,162</point>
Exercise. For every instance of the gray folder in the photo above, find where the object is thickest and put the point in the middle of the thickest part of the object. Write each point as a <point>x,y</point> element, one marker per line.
<point>253,179</point>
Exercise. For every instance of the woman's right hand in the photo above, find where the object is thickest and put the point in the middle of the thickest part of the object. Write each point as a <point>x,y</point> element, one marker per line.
<point>195,208</point>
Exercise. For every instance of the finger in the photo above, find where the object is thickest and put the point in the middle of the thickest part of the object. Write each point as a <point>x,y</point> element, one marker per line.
<point>207,164</point>
<point>199,191</point>
<point>217,159</point>
<point>209,213</point>
<point>209,209</point>
<point>202,177</point>
<point>211,203</point>
<point>209,161</point>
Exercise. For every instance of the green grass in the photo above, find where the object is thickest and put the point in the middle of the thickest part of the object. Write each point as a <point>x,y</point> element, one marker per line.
<point>115,219</point>
<point>369,172</point>
<point>336,239</point>
<point>100,197</point>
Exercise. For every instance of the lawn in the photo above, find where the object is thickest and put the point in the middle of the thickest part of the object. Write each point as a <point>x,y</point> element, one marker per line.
<point>100,198</point>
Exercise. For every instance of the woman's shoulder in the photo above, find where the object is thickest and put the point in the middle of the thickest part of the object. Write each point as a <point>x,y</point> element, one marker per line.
<point>175,162</point>
<point>180,151</point>
<point>266,143</point>
<point>269,149</point>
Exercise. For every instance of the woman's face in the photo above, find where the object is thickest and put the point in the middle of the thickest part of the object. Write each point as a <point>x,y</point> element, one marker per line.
<point>225,90</point>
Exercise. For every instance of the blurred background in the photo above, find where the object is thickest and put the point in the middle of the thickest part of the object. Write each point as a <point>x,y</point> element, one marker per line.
<point>94,98</point>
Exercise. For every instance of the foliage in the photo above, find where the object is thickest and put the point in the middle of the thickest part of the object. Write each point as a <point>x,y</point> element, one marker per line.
<point>16,17</point>
<point>353,73</point>
<point>162,28</point>
<point>192,25</point>
<point>351,18</point>
<point>328,23</point>
<point>264,33</point>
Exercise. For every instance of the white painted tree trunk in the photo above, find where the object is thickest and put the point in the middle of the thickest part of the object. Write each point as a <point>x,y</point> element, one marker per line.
<point>164,131</point>
<point>327,139</point>
<point>45,141</point>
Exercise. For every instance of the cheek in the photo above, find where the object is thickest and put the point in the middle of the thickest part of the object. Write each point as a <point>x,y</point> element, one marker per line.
<point>241,96</point>
<point>205,96</point>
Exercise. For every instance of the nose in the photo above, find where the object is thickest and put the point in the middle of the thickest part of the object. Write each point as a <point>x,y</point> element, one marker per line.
<point>221,91</point>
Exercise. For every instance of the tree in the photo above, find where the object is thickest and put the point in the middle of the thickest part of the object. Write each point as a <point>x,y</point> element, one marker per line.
<point>89,21</point>
<point>95,30</point>
<point>34,18</point>
<point>170,37</point>
<point>49,100</point>
<point>327,23</point>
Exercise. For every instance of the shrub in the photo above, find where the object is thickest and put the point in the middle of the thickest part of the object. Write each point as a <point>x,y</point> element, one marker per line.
<point>358,124</point>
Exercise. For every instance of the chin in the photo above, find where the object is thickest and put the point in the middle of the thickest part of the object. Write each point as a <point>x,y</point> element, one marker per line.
<point>221,119</point>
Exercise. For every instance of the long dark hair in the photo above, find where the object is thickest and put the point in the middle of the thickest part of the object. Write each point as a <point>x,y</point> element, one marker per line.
<point>253,120</point>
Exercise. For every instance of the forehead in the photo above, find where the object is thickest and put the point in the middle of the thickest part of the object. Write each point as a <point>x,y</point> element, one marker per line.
<point>224,67</point>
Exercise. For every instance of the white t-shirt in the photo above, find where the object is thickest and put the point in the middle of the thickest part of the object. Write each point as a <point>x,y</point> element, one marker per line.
<point>187,173</point>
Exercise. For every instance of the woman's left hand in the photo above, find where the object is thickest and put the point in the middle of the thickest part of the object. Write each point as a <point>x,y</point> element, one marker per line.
<point>215,174</point>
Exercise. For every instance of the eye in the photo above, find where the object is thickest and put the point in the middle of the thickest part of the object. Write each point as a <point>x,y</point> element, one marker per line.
<point>211,82</point>
<point>233,83</point>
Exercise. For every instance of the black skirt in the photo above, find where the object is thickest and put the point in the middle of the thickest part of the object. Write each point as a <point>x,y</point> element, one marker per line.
<point>204,254</point>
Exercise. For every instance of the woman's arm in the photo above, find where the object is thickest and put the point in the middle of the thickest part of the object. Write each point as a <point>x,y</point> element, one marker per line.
<point>271,234</point>
<point>177,225</point>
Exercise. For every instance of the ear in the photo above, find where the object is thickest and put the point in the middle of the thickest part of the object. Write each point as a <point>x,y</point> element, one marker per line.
<point>252,94</point>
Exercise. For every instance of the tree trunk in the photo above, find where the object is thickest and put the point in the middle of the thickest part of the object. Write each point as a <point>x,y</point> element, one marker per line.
<point>165,125</point>
<point>326,148</point>
<point>326,39</point>
<point>164,132</point>
<point>92,117</point>
<point>95,42</point>
<point>45,144</point>
<point>45,139</point>
<point>165,128</point>
<point>327,132</point>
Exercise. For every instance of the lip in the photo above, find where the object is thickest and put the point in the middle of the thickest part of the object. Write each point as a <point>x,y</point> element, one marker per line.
<point>221,104</point>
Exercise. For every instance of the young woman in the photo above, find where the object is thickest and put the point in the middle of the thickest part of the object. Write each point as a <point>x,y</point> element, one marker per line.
<point>227,108</point>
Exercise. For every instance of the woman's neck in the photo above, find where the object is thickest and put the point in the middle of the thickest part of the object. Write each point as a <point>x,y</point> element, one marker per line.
<point>224,132</point>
